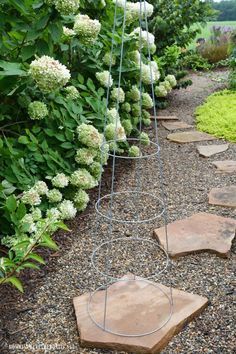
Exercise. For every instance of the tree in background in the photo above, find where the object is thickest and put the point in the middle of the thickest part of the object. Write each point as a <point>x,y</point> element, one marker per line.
<point>173,21</point>
<point>227,10</point>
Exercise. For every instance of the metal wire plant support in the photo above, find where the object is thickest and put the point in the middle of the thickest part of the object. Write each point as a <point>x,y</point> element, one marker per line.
<point>111,254</point>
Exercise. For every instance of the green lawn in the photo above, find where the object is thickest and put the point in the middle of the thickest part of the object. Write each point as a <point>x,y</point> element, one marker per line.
<point>206,31</point>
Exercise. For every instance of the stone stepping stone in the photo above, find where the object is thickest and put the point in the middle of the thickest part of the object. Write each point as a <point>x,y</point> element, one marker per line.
<point>225,196</point>
<point>226,166</point>
<point>189,137</point>
<point>176,125</point>
<point>199,233</point>
<point>138,307</point>
<point>168,118</point>
<point>209,150</point>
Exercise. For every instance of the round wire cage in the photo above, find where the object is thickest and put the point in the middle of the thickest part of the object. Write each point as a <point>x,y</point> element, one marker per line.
<point>115,255</point>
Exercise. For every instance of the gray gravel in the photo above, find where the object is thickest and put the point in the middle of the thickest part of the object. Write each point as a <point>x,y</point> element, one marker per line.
<point>43,320</point>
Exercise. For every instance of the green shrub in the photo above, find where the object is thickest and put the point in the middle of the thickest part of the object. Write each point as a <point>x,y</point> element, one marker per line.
<point>217,115</point>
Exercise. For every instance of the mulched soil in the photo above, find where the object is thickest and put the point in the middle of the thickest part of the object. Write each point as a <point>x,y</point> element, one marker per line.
<point>42,320</point>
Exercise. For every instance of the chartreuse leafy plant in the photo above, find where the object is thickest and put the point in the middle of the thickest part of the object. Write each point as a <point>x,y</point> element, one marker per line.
<point>217,115</point>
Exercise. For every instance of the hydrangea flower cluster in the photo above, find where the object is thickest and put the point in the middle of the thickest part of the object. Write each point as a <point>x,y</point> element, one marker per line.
<point>128,127</point>
<point>85,156</point>
<point>103,154</point>
<point>54,196</point>
<point>126,107</point>
<point>147,101</point>
<point>87,29</point>
<point>60,180</point>
<point>81,200</point>
<point>134,151</point>
<point>115,132</point>
<point>67,7</point>
<point>68,32</point>
<point>49,74</point>
<point>150,73</point>
<point>96,170</point>
<point>107,58</point>
<point>117,94</point>
<point>167,86</point>
<point>53,214</point>
<point>41,187</point>
<point>160,91</point>
<point>31,197</point>
<point>133,9</point>
<point>134,94</point>
<point>28,219</point>
<point>146,118</point>
<point>36,214</point>
<point>71,93</point>
<point>135,57</point>
<point>136,110</point>
<point>104,78</point>
<point>83,179</point>
<point>147,38</point>
<point>67,210</point>
<point>144,138</point>
<point>172,80</point>
<point>89,136</point>
<point>37,110</point>
<point>113,115</point>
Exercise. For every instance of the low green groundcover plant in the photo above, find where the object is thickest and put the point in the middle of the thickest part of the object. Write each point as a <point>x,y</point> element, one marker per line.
<point>217,115</point>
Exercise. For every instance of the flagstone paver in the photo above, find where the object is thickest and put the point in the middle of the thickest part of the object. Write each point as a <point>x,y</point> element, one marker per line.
<point>226,166</point>
<point>198,233</point>
<point>176,125</point>
<point>209,150</point>
<point>225,196</point>
<point>135,307</point>
<point>189,137</point>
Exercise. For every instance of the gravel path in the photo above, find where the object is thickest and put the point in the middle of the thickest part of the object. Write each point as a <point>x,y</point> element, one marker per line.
<point>43,320</point>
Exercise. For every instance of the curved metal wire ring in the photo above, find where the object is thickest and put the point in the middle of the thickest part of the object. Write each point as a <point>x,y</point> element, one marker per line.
<point>111,218</point>
<point>105,274</point>
<point>146,156</point>
<point>104,328</point>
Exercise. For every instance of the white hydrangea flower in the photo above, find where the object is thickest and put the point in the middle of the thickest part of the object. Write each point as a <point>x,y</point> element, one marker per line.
<point>160,91</point>
<point>81,200</point>
<point>147,101</point>
<point>31,197</point>
<point>67,7</point>
<point>107,58</point>
<point>128,127</point>
<point>68,32</point>
<point>104,78</point>
<point>117,94</point>
<point>37,110</point>
<point>60,180</point>
<point>103,154</point>
<point>134,151</point>
<point>67,210</point>
<point>167,86</point>
<point>83,179</point>
<point>144,138</point>
<point>115,132</point>
<point>54,214</point>
<point>135,56</point>
<point>147,38</point>
<point>54,196</point>
<point>113,115</point>
<point>28,219</point>
<point>85,156</point>
<point>172,80</point>
<point>36,214</point>
<point>150,73</point>
<point>89,136</point>
<point>49,74</point>
<point>71,93</point>
<point>133,10</point>
<point>126,107</point>
<point>134,94</point>
<point>41,188</point>
<point>87,29</point>
<point>96,170</point>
